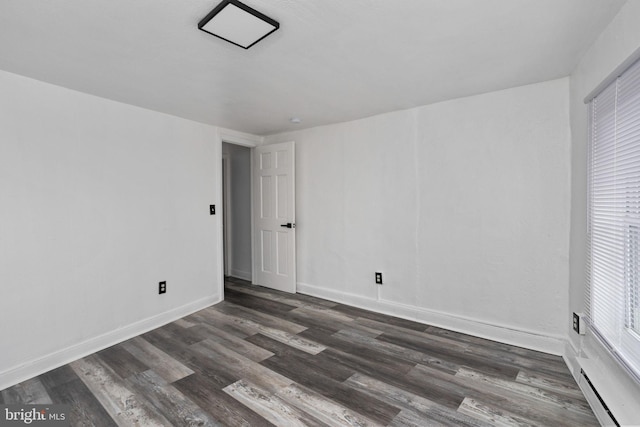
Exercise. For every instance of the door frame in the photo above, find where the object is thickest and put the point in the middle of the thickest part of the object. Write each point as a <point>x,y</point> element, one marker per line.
<point>245,140</point>
<point>227,234</point>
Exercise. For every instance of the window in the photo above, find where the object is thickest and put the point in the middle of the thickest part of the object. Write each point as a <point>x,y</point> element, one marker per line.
<point>613,291</point>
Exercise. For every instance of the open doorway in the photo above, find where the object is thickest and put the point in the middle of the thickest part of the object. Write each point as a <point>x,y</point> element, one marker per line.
<point>236,202</point>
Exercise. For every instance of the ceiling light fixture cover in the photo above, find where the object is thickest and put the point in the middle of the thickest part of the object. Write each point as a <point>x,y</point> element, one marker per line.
<point>237,23</point>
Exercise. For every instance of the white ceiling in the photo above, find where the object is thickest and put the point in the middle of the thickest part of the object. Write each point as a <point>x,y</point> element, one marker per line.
<point>330,61</point>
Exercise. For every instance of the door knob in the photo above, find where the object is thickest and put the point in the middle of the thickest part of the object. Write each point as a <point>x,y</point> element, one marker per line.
<point>288,225</point>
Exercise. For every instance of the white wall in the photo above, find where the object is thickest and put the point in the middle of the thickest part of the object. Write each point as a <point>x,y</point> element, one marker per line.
<point>240,206</point>
<point>463,205</point>
<point>99,201</point>
<point>618,42</point>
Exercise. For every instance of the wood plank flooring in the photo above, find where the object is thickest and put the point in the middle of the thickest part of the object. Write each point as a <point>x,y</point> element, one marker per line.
<point>265,358</point>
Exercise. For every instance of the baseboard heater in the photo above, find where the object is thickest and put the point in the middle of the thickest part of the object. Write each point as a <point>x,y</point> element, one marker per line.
<point>600,408</point>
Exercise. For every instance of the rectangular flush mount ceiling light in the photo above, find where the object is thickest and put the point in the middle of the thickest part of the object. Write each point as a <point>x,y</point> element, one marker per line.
<point>237,23</point>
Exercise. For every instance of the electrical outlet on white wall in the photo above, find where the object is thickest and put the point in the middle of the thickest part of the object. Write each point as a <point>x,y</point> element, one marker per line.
<point>378,278</point>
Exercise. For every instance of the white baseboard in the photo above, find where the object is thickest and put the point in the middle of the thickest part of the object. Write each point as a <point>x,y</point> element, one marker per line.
<point>244,275</point>
<point>61,357</point>
<point>505,334</point>
<point>570,356</point>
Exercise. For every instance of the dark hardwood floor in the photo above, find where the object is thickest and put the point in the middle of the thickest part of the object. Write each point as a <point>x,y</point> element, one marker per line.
<point>269,358</point>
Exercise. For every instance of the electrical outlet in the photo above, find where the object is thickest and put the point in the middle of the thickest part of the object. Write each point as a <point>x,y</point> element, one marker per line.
<point>378,278</point>
<point>162,288</point>
<point>578,323</point>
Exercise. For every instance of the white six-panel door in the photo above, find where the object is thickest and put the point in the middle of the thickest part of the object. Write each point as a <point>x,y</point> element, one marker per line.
<point>274,216</point>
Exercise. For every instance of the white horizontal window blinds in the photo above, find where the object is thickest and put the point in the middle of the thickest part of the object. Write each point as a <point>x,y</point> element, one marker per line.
<point>613,289</point>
